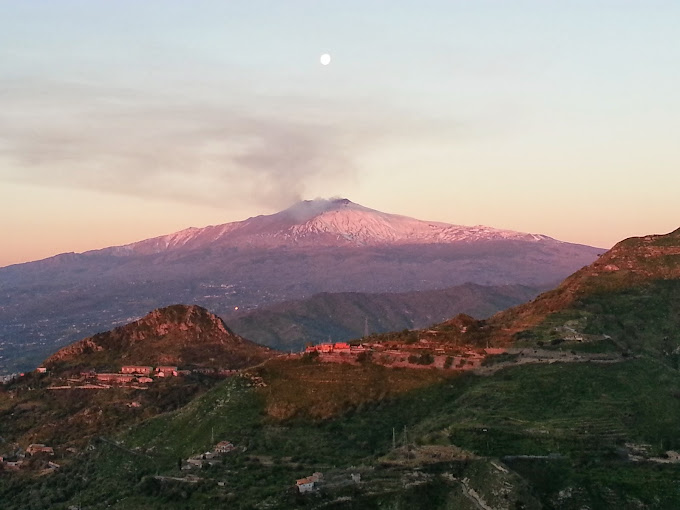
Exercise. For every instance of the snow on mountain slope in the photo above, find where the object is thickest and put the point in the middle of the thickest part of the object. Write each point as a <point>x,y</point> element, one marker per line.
<point>321,222</point>
<point>373,227</point>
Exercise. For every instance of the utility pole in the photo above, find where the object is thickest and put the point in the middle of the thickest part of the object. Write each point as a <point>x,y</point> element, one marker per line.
<point>365,327</point>
<point>212,436</point>
<point>394,439</point>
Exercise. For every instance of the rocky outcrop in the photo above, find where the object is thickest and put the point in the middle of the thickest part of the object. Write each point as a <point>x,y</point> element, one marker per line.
<point>178,334</point>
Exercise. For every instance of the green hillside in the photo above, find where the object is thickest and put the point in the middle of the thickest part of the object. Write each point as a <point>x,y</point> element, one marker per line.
<point>344,316</point>
<point>581,421</point>
<point>596,434</point>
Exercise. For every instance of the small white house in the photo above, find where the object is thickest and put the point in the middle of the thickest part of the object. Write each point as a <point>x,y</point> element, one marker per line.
<point>306,484</point>
<point>309,484</point>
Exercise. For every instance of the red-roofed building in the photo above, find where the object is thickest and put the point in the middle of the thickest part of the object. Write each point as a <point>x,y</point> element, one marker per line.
<point>166,371</point>
<point>13,466</point>
<point>135,369</point>
<point>308,484</point>
<point>341,346</point>
<point>305,484</point>
<point>223,447</point>
<point>39,448</point>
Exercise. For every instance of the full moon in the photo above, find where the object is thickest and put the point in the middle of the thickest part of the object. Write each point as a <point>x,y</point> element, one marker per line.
<point>325,59</point>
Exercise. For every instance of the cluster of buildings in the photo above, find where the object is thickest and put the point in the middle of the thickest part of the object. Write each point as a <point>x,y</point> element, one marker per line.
<point>209,458</point>
<point>135,373</point>
<point>9,378</point>
<point>127,375</point>
<point>32,450</point>
<point>406,355</point>
<point>338,347</point>
<point>134,376</point>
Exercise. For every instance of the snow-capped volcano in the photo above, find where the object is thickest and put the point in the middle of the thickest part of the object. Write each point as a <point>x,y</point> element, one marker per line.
<point>314,246</point>
<point>326,222</point>
<point>358,224</point>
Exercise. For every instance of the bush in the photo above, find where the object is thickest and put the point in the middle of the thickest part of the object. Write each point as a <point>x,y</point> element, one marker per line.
<point>310,357</point>
<point>364,357</point>
<point>424,359</point>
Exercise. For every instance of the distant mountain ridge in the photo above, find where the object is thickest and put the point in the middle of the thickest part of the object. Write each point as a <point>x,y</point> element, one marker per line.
<point>344,316</point>
<point>312,247</point>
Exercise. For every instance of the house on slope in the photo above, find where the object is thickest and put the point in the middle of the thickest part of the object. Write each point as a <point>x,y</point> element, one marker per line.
<point>223,447</point>
<point>305,484</point>
<point>166,371</point>
<point>39,448</point>
<point>136,369</point>
<point>308,484</point>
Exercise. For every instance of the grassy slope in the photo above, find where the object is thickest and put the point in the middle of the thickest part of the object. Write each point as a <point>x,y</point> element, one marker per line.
<point>583,412</point>
<point>69,418</point>
<point>640,319</point>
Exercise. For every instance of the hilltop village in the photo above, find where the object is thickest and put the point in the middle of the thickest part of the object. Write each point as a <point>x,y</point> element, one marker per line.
<point>134,376</point>
<point>422,354</point>
<point>405,352</point>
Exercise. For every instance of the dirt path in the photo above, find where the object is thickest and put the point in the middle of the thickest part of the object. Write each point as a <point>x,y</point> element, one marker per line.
<point>546,356</point>
<point>472,495</point>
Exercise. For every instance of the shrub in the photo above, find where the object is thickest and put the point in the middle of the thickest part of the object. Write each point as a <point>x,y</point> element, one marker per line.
<point>424,359</point>
<point>364,357</point>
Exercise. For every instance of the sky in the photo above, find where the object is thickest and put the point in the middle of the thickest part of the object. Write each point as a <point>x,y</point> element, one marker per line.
<point>125,120</point>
